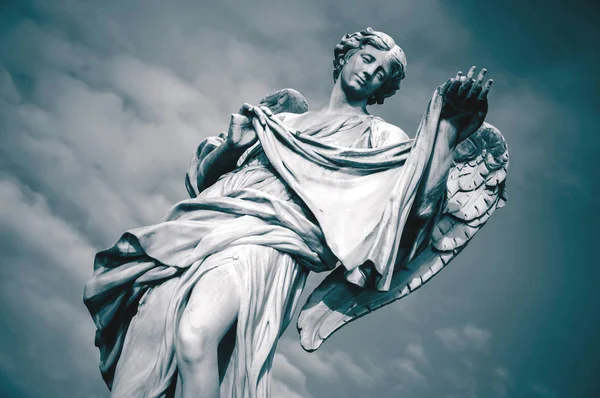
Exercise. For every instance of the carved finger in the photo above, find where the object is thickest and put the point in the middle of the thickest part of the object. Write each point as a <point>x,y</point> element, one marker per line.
<point>481,76</point>
<point>443,89</point>
<point>465,87</point>
<point>239,119</point>
<point>254,121</point>
<point>471,72</point>
<point>474,92</point>
<point>453,88</point>
<point>485,90</point>
<point>459,75</point>
<point>266,110</point>
<point>245,109</point>
<point>260,115</point>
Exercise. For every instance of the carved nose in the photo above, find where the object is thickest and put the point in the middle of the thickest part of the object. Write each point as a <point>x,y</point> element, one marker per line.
<point>370,70</point>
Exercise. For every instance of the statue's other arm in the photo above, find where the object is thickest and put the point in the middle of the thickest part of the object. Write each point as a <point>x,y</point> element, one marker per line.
<point>213,158</point>
<point>217,156</point>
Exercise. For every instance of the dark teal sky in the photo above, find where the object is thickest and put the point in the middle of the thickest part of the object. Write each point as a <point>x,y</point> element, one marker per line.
<point>102,105</point>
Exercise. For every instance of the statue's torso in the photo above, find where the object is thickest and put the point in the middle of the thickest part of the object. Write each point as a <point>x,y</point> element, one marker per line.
<point>256,172</point>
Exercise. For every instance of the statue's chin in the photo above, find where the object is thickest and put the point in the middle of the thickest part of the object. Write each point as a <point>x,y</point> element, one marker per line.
<point>355,95</point>
<point>354,91</point>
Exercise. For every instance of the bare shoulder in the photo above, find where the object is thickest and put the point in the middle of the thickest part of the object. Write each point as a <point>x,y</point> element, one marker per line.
<point>387,134</point>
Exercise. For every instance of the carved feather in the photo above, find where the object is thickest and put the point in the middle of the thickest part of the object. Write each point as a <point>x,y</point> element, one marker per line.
<point>475,188</point>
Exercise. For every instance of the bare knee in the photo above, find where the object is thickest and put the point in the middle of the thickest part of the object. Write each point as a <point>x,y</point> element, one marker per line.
<point>196,342</point>
<point>210,312</point>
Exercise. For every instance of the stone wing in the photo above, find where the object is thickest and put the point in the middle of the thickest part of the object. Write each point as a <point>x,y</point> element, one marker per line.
<point>474,190</point>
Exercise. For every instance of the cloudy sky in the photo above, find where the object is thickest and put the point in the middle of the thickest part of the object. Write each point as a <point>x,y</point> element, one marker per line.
<point>103,103</point>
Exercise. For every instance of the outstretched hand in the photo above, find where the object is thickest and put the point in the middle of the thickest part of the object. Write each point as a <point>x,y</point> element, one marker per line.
<point>465,102</point>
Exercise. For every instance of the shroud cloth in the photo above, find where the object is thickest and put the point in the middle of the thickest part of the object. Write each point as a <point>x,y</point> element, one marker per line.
<point>335,192</point>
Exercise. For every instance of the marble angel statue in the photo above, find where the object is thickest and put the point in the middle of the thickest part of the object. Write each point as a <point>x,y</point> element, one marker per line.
<point>194,305</point>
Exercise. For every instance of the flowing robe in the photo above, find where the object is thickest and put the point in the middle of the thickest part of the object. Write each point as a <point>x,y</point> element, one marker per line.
<point>308,198</point>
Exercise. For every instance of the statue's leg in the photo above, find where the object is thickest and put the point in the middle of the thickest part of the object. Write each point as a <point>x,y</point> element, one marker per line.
<point>209,315</point>
<point>224,357</point>
<point>270,285</point>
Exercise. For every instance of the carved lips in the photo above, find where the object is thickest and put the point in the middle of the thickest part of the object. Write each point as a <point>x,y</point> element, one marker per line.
<point>361,81</point>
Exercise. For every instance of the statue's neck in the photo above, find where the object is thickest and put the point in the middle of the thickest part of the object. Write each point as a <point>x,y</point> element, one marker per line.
<point>340,104</point>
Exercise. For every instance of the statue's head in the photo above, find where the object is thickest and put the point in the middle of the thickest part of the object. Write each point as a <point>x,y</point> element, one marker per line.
<point>369,64</point>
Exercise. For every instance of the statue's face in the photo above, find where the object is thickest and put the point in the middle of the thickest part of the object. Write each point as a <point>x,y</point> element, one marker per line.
<point>365,72</point>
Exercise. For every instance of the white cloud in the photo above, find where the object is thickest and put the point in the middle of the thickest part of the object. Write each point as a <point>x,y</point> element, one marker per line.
<point>281,390</point>
<point>31,223</point>
<point>451,338</point>
<point>8,90</point>
<point>501,372</point>
<point>314,363</point>
<point>501,382</point>
<point>41,279</point>
<point>462,382</point>
<point>407,367</point>
<point>416,351</point>
<point>477,337</point>
<point>288,380</point>
<point>542,391</point>
<point>327,364</point>
<point>468,337</point>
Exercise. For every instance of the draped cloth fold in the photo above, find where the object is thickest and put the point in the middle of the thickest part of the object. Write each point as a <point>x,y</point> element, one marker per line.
<point>361,198</point>
<point>316,203</point>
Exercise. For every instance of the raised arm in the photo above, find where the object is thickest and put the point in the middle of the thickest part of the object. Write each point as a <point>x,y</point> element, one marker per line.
<point>461,188</point>
<point>464,110</point>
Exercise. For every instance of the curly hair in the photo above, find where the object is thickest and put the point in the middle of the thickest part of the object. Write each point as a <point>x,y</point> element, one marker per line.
<point>352,42</point>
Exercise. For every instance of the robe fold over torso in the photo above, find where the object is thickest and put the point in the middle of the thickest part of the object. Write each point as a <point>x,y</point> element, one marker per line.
<point>334,192</point>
